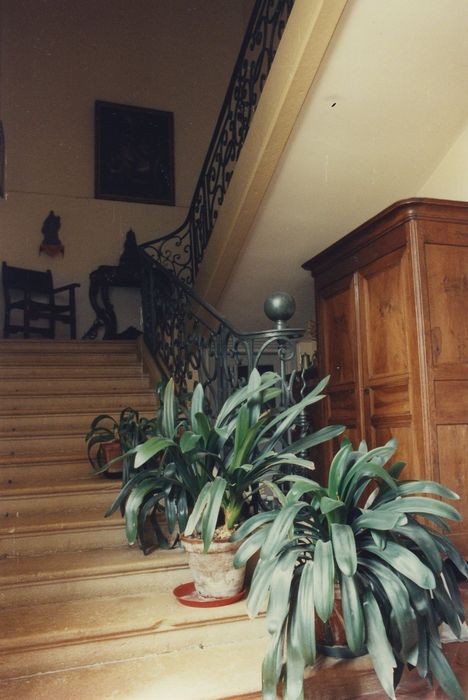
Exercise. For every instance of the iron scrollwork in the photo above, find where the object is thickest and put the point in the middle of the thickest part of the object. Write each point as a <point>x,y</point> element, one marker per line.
<point>182,250</point>
<point>195,343</point>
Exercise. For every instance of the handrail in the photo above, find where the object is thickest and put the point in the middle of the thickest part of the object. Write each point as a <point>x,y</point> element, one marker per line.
<point>194,341</point>
<point>182,250</point>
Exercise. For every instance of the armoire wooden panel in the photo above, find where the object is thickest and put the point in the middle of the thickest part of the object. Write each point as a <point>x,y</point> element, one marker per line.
<point>392,313</point>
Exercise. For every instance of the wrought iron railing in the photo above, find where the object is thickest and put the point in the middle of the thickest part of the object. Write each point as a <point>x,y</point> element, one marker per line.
<point>193,341</point>
<point>182,250</point>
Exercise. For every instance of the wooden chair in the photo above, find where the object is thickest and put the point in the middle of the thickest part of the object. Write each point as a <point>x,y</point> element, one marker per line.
<point>30,295</point>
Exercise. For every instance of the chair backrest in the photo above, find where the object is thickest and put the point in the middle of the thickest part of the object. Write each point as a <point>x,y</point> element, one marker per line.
<point>21,279</point>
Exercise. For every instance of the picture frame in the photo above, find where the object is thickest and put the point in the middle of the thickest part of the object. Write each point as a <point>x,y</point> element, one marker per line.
<point>134,154</point>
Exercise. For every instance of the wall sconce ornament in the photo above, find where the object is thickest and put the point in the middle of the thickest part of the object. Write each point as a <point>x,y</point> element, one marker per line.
<point>51,245</point>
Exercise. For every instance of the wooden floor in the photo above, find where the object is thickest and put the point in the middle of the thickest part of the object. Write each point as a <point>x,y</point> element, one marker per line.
<point>355,679</point>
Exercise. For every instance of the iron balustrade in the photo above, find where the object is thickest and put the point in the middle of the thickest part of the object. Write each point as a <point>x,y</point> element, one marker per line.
<point>181,251</point>
<point>191,340</point>
<point>194,342</point>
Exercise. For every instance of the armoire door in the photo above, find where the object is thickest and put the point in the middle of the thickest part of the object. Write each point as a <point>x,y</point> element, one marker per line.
<point>339,359</point>
<point>388,352</point>
<point>444,262</point>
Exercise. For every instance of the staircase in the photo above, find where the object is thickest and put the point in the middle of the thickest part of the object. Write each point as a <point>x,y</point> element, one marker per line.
<point>83,615</point>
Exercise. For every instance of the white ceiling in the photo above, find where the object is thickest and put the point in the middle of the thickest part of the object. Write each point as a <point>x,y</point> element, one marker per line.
<point>390,99</point>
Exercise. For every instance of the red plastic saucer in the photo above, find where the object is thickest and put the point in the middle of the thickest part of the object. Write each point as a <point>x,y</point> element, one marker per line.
<point>187,595</point>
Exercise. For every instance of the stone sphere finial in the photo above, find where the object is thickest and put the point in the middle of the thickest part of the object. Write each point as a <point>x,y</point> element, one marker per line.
<point>279,307</point>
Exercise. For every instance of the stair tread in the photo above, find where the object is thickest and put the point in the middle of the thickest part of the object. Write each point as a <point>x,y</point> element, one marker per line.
<point>87,563</point>
<point>87,484</point>
<point>32,344</point>
<point>170,676</point>
<point>73,453</point>
<point>152,612</point>
<point>51,521</point>
<point>149,405</point>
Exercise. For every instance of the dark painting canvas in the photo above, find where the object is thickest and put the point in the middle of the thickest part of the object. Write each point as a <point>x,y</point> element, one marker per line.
<point>134,154</point>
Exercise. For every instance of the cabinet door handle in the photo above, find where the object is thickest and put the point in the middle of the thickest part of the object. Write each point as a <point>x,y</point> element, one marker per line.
<point>367,390</point>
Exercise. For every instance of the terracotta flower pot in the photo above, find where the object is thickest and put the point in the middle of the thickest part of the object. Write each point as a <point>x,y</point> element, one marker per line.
<point>107,451</point>
<point>213,573</point>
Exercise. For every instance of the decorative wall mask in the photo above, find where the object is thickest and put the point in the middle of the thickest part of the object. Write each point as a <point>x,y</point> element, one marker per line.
<point>51,245</point>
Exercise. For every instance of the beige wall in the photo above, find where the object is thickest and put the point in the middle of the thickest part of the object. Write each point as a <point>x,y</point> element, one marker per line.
<point>450,178</point>
<point>59,56</point>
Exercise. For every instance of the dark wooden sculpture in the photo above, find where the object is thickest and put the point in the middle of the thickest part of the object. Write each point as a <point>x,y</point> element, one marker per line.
<point>126,274</point>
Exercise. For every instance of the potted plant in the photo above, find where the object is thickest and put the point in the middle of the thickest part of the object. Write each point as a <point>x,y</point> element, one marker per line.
<point>214,466</point>
<point>109,440</point>
<point>361,535</point>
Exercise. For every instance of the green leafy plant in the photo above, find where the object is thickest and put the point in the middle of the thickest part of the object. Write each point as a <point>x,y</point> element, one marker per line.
<point>363,534</point>
<point>128,431</point>
<point>214,466</point>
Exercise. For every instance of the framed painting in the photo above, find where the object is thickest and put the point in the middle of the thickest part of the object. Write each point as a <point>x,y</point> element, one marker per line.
<point>134,154</point>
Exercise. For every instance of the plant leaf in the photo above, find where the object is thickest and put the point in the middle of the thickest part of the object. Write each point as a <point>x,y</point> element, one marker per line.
<point>188,441</point>
<point>248,548</point>
<point>422,505</point>
<point>378,645</point>
<point>271,667</point>
<point>302,626</point>
<point>211,513</point>
<point>324,579</point>
<point>344,547</point>
<point>338,469</point>
<point>327,505</point>
<point>406,488</point>
<point>253,523</point>
<point>169,414</point>
<point>132,507</point>
<point>352,614</point>
<point>196,406</point>
<point>278,535</point>
<point>315,438</point>
<point>396,599</point>
<point>260,586</point>
<point>405,562</point>
<point>198,509</point>
<point>421,537</point>
<point>243,394</point>
<point>376,520</point>
<point>444,674</point>
<point>278,604</point>
<point>149,449</point>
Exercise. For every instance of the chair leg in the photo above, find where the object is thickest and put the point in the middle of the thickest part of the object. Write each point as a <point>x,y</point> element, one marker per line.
<point>26,320</point>
<point>72,315</point>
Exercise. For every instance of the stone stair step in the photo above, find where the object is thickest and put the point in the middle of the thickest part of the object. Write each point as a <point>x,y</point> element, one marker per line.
<point>62,347</point>
<point>201,672</point>
<point>74,530</point>
<point>20,473</point>
<point>57,636</point>
<point>61,576</point>
<point>71,358</point>
<point>62,371</point>
<point>99,402</point>
<point>188,674</point>
<point>46,386</point>
<point>91,493</point>
<point>24,426</point>
<point>42,447</point>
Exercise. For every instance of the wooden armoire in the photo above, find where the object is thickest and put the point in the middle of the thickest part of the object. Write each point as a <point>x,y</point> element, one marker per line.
<point>392,313</point>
